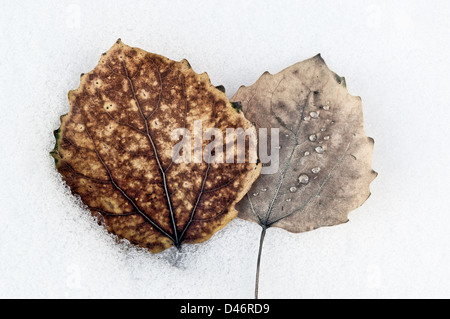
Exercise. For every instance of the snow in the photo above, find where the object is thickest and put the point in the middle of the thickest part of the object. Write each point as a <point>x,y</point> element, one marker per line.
<point>393,55</point>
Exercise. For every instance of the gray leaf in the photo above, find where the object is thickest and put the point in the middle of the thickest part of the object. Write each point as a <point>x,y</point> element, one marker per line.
<point>325,157</point>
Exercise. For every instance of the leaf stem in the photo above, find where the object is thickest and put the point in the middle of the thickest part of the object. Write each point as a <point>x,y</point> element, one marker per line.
<point>258,264</point>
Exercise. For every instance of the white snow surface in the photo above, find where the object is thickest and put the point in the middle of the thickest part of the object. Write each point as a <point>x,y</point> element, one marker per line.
<point>394,54</point>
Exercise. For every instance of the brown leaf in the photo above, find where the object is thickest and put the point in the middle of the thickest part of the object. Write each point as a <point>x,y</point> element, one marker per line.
<point>325,156</point>
<point>114,150</point>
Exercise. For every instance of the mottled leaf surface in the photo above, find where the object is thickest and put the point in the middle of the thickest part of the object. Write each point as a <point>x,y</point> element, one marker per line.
<point>114,150</point>
<point>325,157</point>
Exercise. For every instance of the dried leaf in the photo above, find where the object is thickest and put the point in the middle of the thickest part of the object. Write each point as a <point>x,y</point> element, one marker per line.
<point>114,149</point>
<point>325,156</point>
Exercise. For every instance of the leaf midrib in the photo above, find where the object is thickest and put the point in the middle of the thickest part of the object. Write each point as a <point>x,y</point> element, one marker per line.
<point>288,163</point>
<point>155,151</point>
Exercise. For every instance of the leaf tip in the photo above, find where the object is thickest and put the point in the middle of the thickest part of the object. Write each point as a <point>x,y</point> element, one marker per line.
<point>61,118</point>
<point>186,63</point>
<point>319,58</point>
<point>221,88</point>
<point>266,73</point>
<point>340,80</point>
<point>70,94</point>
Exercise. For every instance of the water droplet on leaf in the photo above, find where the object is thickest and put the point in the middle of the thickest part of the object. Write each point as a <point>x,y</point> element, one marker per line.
<point>313,137</point>
<point>303,179</point>
<point>319,149</point>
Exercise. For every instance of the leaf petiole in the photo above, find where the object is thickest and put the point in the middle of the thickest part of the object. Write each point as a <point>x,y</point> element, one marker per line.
<point>258,264</point>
